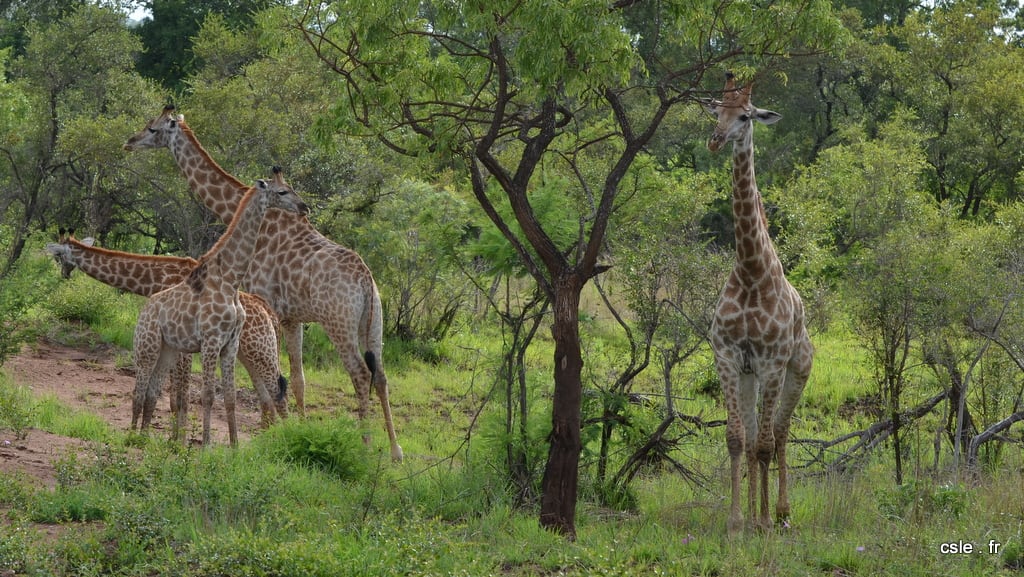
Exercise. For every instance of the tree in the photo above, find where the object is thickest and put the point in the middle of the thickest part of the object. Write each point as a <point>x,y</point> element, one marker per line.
<point>956,70</point>
<point>167,34</point>
<point>73,68</point>
<point>514,90</point>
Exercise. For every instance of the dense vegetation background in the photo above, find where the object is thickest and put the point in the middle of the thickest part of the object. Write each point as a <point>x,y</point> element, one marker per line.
<point>893,186</point>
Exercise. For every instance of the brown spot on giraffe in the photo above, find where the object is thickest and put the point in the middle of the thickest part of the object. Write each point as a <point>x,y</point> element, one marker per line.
<point>761,345</point>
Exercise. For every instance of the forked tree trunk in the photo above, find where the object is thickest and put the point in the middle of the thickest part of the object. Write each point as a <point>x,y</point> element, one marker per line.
<point>561,476</point>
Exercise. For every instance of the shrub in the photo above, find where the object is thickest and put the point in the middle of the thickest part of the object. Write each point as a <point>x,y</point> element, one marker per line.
<point>334,446</point>
<point>83,301</point>
<point>921,499</point>
<point>21,290</point>
<point>17,411</point>
<point>13,552</point>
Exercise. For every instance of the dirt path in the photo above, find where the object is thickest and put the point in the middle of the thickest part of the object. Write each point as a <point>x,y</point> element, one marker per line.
<point>87,379</point>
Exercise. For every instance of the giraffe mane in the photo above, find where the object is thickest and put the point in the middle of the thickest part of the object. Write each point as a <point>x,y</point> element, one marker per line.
<point>216,248</point>
<point>117,253</point>
<point>187,131</point>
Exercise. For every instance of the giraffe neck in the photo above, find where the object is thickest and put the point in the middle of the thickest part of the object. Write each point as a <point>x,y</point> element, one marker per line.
<point>218,189</point>
<point>137,274</point>
<point>229,259</point>
<point>755,254</point>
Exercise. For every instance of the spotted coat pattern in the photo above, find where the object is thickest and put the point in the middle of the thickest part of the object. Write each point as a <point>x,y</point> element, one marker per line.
<point>762,351</point>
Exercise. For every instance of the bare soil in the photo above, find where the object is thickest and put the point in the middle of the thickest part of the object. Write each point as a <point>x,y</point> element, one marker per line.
<point>87,379</point>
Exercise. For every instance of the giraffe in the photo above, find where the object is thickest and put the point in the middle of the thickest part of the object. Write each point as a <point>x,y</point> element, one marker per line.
<point>762,350</point>
<point>304,276</point>
<point>147,275</point>
<point>203,313</point>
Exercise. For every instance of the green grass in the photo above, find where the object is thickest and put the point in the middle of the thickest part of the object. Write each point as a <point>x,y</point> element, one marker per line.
<point>308,498</point>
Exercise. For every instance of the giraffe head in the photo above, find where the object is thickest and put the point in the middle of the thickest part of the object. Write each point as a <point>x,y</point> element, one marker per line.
<point>278,194</point>
<point>735,114</point>
<point>158,132</point>
<point>61,251</point>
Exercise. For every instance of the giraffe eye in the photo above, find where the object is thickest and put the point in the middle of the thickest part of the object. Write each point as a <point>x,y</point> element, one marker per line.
<point>744,117</point>
<point>152,130</point>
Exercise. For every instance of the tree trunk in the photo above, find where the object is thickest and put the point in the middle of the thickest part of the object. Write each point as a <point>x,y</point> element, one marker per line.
<point>561,475</point>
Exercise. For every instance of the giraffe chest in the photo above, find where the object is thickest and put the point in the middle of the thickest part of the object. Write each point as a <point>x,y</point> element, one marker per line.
<point>755,324</point>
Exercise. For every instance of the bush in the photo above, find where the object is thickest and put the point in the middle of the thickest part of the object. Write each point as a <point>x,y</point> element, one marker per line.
<point>17,411</point>
<point>333,446</point>
<point>919,499</point>
<point>82,300</point>
<point>19,292</point>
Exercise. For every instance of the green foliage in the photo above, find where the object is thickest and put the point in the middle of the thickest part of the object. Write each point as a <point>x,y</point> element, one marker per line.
<point>412,239</point>
<point>14,551</point>
<point>17,409</point>
<point>20,291</point>
<point>168,34</point>
<point>82,300</point>
<point>922,499</point>
<point>52,415</point>
<point>333,446</point>
<point>1013,555</point>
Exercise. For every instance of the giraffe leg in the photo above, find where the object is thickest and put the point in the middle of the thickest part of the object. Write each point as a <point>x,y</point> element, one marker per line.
<point>210,356</point>
<point>797,373</point>
<point>747,390</point>
<point>227,372</point>
<point>179,395</point>
<point>165,361</point>
<point>257,351</point>
<point>145,352</point>
<point>258,376</point>
<point>380,384</point>
<point>734,439</point>
<point>343,334</point>
<point>293,343</point>
<point>766,448</point>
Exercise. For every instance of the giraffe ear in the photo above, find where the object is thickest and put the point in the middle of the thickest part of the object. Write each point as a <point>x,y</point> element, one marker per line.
<point>88,241</point>
<point>53,248</point>
<point>711,106</point>
<point>766,116</point>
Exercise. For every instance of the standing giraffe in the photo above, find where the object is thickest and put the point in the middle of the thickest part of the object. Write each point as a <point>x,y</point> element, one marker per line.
<point>203,313</point>
<point>762,351</point>
<point>147,275</point>
<point>304,276</point>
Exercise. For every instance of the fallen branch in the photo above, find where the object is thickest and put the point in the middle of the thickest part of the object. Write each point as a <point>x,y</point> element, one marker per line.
<point>988,434</point>
<point>867,439</point>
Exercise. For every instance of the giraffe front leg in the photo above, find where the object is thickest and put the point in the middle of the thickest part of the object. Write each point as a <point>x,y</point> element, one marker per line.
<point>179,396</point>
<point>209,387</point>
<point>227,372</point>
<point>797,373</point>
<point>766,440</point>
<point>734,442</point>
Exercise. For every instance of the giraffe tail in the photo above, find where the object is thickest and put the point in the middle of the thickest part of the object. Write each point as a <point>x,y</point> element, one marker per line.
<point>282,388</point>
<point>371,363</point>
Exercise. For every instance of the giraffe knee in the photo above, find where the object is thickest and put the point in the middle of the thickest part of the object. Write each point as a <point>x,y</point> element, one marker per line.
<point>734,441</point>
